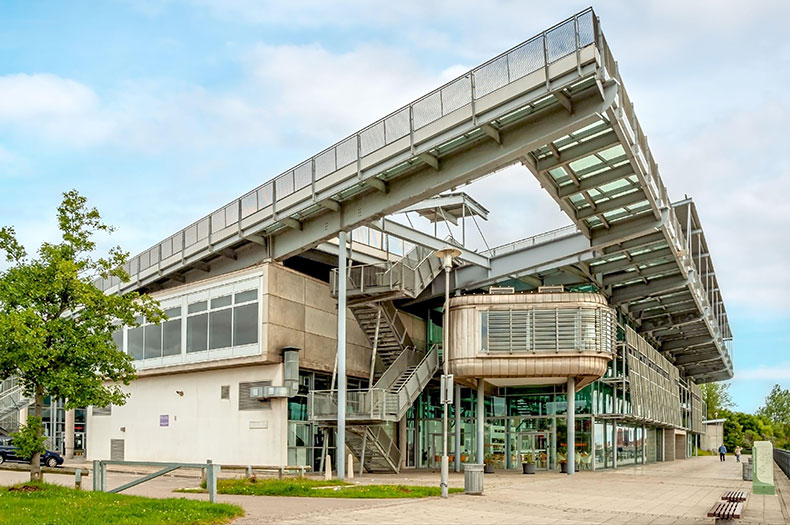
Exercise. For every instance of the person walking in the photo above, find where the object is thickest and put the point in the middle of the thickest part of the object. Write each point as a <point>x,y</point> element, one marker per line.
<point>722,451</point>
<point>738,453</point>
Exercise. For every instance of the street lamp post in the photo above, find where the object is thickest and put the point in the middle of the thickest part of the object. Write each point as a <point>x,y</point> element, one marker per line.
<point>446,254</point>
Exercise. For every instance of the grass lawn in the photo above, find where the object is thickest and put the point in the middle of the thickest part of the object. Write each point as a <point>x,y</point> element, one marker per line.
<point>37,503</point>
<point>313,488</point>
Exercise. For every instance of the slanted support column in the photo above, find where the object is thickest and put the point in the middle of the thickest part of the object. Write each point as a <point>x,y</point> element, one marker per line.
<point>342,272</point>
<point>457,435</point>
<point>571,414</point>
<point>481,420</point>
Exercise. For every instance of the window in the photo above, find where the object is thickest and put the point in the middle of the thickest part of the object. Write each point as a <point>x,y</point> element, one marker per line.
<point>245,324</point>
<point>135,342</point>
<point>219,318</point>
<point>117,337</point>
<point>219,328</point>
<point>153,341</point>
<point>197,333</point>
<point>171,332</point>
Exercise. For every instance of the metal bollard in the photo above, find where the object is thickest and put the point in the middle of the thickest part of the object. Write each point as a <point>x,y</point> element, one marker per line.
<point>78,479</point>
<point>249,472</point>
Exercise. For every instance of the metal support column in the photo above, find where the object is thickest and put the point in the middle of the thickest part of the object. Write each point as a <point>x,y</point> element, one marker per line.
<point>457,410</point>
<point>644,445</point>
<point>508,462</point>
<point>342,272</point>
<point>571,414</point>
<point>481,421</point>
<point>614,443</point>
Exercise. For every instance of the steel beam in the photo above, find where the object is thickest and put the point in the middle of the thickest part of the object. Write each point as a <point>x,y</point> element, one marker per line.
<point>429,241</point>
<point>574,153</point>
<point>675,344</point>
<point>612,204</point>
<point>457,169</point>
<point>594,181</point>
<point>656,286</point>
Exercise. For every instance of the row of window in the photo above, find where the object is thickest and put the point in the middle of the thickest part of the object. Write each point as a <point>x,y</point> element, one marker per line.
<point>200,323</point>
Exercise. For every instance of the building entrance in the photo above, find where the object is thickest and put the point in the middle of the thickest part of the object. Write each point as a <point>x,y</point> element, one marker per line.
<point>534,447</point>
<point>435,458</point>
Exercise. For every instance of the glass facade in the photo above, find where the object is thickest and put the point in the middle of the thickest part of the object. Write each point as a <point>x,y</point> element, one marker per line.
<point>207,323</point>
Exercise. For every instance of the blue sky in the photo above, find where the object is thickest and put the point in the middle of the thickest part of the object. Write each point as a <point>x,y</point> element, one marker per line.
<point>161,111</point>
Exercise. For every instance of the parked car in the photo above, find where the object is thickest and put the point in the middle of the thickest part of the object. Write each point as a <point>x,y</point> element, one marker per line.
<point>8,452</point>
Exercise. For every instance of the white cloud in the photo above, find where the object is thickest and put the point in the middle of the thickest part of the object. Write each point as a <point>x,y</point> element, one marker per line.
<point>780,372</point>
<point>330,95</point>
<point>59,108</point>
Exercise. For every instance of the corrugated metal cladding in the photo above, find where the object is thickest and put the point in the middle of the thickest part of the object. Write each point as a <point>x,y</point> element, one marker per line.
<point>116,449</point>
<point>246,402</point>
<point>224,392</point>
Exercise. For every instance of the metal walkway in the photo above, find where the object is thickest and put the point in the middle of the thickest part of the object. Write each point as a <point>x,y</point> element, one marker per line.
<point>557,105</point>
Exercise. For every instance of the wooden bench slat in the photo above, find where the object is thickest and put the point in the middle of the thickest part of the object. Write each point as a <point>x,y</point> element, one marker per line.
<point>726,510</point>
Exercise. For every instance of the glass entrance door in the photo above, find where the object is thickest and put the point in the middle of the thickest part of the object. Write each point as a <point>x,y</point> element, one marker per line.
<point>435,457</point>
<point>534,447</point>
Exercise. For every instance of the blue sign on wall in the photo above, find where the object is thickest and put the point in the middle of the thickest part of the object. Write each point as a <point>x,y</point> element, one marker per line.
<point>164,421</point>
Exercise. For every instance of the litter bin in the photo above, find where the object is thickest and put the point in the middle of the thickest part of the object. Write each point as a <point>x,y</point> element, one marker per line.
<point>473,478</point>
<point>747,471</point>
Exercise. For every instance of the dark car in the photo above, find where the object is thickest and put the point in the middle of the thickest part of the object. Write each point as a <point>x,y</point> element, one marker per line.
<point>8,452</point>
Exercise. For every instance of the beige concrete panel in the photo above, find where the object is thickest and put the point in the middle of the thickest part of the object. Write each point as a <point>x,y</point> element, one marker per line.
<point>280,336</point>
<point>286,283</point>
<point>285,313</point>
<point>320,322</point>
<point>316,295</point>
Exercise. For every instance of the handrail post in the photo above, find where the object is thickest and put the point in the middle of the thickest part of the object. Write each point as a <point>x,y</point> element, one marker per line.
<point>103,478</point>
<point>211,480</point>
<point>96,474</point>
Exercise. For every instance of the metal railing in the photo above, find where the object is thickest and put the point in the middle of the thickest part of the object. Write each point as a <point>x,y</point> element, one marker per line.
<point>538,53</point>
<point>528,242</point>
<point>375,404</point>
<point>100,474</point>
<point>409,275</point>
<point>782,458</point>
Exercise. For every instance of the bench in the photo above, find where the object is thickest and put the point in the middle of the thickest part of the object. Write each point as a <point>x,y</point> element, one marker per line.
<point>735,495</point>
<point>726,510</point>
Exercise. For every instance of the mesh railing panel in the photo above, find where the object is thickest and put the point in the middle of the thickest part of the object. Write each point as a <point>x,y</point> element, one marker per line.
<point>525,58</point>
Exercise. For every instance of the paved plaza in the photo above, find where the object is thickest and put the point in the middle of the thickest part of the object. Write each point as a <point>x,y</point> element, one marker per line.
<point>673,492</point>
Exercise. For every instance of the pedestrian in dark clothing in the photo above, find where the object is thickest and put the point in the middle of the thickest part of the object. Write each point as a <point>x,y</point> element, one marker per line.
<point>722,451</point>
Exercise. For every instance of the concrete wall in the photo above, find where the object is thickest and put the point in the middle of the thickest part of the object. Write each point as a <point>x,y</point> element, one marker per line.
<point>713,436</point>
<point>680,445</point>
<point>201,425</point>
<point>669,445</point>
<point>298,311</point>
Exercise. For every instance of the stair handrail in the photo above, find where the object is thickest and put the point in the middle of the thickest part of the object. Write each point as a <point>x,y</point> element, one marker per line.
<point>418,380</point>
<point>406,359</point>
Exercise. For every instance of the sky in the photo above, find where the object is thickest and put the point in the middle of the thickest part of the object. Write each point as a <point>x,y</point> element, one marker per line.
<point>162,111</point>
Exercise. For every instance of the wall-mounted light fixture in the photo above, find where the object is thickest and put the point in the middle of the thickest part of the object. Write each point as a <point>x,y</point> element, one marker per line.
<point>180,393</point>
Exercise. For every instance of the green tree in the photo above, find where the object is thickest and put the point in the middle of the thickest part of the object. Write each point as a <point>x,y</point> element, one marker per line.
<point>56,326</point>
<point>717,398</point>
<point>777,406</point>
<point>733,432</point>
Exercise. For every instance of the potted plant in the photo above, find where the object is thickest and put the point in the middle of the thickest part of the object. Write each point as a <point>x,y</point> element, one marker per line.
<point>489,464</point>
<point>563,460</point>
<point>528,463</point>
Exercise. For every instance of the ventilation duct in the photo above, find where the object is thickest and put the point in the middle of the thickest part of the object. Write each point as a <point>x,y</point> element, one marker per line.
<point>290,378</point>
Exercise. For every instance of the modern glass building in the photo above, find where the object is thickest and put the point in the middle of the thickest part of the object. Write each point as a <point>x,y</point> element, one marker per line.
<point>581,346</point>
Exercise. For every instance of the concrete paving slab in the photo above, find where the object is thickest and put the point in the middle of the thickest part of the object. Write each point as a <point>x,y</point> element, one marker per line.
<point>674,492</point>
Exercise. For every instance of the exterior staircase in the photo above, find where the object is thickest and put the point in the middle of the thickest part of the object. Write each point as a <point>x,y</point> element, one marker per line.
<point>12,400</point>
<point>371,290</point>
